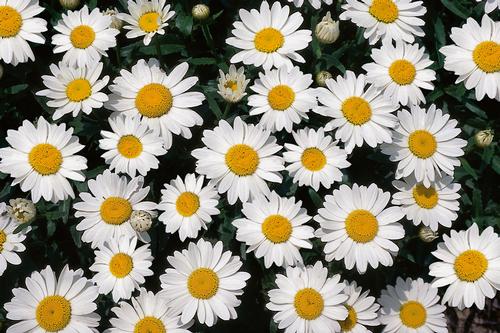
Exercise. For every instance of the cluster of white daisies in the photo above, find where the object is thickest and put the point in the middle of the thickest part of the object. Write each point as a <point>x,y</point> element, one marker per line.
<point>357,224</point>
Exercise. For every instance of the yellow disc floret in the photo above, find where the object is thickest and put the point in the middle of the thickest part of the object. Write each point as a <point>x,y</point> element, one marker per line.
<point>277,229</point>
<point>281,97</point>
<point>115,210</point>
<point>402,72</point>
<point>53,313</point>
<point>154,100</point>
<point>187,204</point>
<point>82,36</point>
<point>242,160</point>
<point>10,22</point>
<point>129,146</point>
<point>268,40</point>
<point>425,197</point>
<point>3,239</point>
<point>78,90</point>
<point>150,324</point>
<point>412,314</point>
<point>45,159</point>
<point>149,22</point>
<point>422,144</point>
<point>121,265</point>
<point>352,317</point>
<point>486,55</point>
<point>203,283</point>
<point>313,159</point>
<point>361,226</point>
<point>356,110</point>
<point>308,303</point>
<point>470,265</point>
<point>384,11</point>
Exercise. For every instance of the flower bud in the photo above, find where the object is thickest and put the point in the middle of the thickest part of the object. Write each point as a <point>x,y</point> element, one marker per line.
<point>484,138</point>
<point>321,78</point>
<point>69,4</point>
<point>22,210</point>
<point>116,23</point>
<point>200,12</point>
<point>141,220</point>
<point>327,31</point>
<point>427,235</point>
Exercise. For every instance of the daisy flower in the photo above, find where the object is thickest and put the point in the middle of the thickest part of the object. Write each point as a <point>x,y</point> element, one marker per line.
<point>425,144</point>
<point>307,300</point>
<point>470,265</point>
<point>84,36</point>
<point>432,206</point>
<point>269,37</point>
<point>232,85</point>
<point>72,90</point>
<point>131,147</point>
<point>120,267</point>
<point>360,114</point>
<point>358,228</point>
<point>475,57</point>
<point>162,101</point>
<point>204,281</point>
<point>275,229</point>
<point>18,26</point>
<point>412,306</point>
<point>401,71</point>
<point>147,18</point>
<point>316,4</point>
<point>239,159</point>
<point>107,209</point>
<point>490,5</point>
<point>54,304</point>
<point>10,243</point>
<point>386,19</point>
<point>188,206</point>
<point>41,158</point>
<point>315,160</point>
<point>283,97</point>
<point>361,308</point>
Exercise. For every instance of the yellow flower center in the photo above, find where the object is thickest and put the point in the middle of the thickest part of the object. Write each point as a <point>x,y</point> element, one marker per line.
<point>361,226</point>
<point>233,85</point>
<point>277,228</point>
<point>313,159</point>
<point>45,159</point>
<point>53,313</point>
<point>242,160</point>
<point>268,40</point>
<point>486,55</point>
<point>356,110</point>
<point>129,146</point>
<point>352,317</point>
<point>384,11</point>
<point>115,210</point>
<point>412,314</point>
<point>154,100</point>
<point>121,265</point>
<point>3,239</point>
<point>470,265</point>
<point>402,72</point>
<point>187,204</point>
<point>150,325</point>
<point>10,22</point>
<point>149,22</point>
<point>308,304</point>
<point>203,283</point>
<point>425,197</point>
<point>422,144</point>
<point>78,90</point>
<point>281,97</point>
<point>82,36</point>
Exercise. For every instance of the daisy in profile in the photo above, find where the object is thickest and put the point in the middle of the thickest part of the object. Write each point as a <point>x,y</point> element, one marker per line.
<point>386,19</point>
<point>283,97</point>
<point>50,303</point>
<point>490,5</point>
<point>121,267</point>
<point>147,18</point>
<point>10,243</point>
<point>307,300</point>
<point>360,113</point>
<point>41,158</point>
<point>362,309</point>
<point>425,144</point>
<point>84,36</point>
<point>74,90</point>
<point>239,159</point>
<point>188,205</point>
<point>132,147</point>
<point>107,209</point>
<point>269,37</point>
<point>232,85</point>
<point>315,160</point>
<point>401,71</point>
<point>475,56</point>
<point>18,26</point>
<point>162,101</point>
<point>412,306</point>
<point>432,206</point>
<point>204,281</point>
<point>275,229</point>
<point>470,265</point>
<point>316,4</point>
<point>358,228</point>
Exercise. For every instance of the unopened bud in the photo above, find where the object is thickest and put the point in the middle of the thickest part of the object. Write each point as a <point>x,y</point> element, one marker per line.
<point>22,210</point>
<point>427,235</point>
<point>116,23</point>
<point>321,78</point>
<point>327,31</point>
<point>484,138</point>
<point>69,4</point>
<point>141,220</point>
<point>200,12</point>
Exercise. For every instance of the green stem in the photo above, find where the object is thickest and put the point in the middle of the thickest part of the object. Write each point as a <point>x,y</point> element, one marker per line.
<point>226,110</point>
<point>158,48</point>
<point>118,58</point>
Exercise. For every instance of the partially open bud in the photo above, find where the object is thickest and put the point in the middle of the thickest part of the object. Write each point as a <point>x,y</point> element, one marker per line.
<point>69,4</point>
<point>484,138</point>
<point>321,78</point>
<point>327,31</point>
<point>200,12</point>
<point>427,235</point>
<point>22,210</point>
<point>141,220</point>
<point>116,23</point>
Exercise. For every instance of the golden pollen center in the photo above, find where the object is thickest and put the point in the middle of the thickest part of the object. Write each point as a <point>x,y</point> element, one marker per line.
<point>486,55</point>
<point>281,97</point>
<point>149,22</point>
<point>308,304</point>
<point>53,313</point>
<point>422,144</point>
<point>10,22</point>
<point>115,210</point>
<point>268,40</point>
<point>313,159</point>
<point>233,85</point>
<point>78,90</point>
<point>352,317</point>
<point>470,265</point>
<point>45,159</point>
<point>242,160</point>
<point>277,228</point>
<point>425,197</point>
<point>402,72</point>
<point>129,146</point>
<point>384,11</point>
<point>187,204</point>
<point>82,36</point>
<point>412,314</point>
<point>121,265</point>
<point>154,100</point>
<point>203,283</point>
<point>150,325</point>
<point>3,239</point>
<point>361,226</point>
<point>356,110</point>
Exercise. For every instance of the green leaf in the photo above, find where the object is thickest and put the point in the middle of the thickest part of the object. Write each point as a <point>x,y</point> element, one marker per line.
<point>184,23</point>
<point>202,61</point>
<point>318,202</point>
<point>454,7</point>
<point>468,168</point>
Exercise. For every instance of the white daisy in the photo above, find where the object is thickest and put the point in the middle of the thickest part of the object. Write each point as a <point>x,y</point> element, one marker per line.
<point>470,264</point>
<point>490,5</point>
<point>188,206</point>
<point>475,57</point>
<point>84,36</point>
<point>121,267</point>
<point>10,243</point>
<point>72,90</point>
<point>386,19</point>
<point>18,26</point>
<point>41,159</point>
<point>360,114</point>
<point>411,306</point>
<point>269,37</point>
<point>358,228</point>
<point>205,282</point>
<point>307,300</point>
<point>161,100</point>
<point>239,159</point>
<point>54,304</point>
<point>232,86</point>
<point>283,97</point>
<point>131,147</point>
<point>425,144</point>
<point>362,309</point>
<point>401,71</point>
<point>106,210</point>
<point>316,4</point>
<point>315,160</point>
